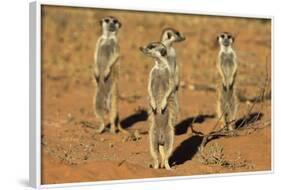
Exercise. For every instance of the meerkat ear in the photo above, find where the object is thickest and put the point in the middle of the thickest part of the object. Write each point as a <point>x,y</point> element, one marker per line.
<point>101,22</point>
<point>233,39</point>
<point>120,24</point>
<point>163,52</point>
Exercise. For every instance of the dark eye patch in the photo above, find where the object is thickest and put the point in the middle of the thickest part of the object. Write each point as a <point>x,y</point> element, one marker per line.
<point>115,21</point>
<point>222,35</point>
<point>106,20</point>
<point>151,46</point>
<point>229,36</point>
<point>163,52</point>
<point>169,35</point>
<point>177,33</point>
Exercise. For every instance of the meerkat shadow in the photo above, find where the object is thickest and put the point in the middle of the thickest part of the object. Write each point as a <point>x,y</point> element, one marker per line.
<point>248,119</point>
<point>182,127</point>
<point>140,115</point>
<point>186,150</point>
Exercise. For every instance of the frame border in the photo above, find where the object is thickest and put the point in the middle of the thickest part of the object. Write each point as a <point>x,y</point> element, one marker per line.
<point>35,94</point>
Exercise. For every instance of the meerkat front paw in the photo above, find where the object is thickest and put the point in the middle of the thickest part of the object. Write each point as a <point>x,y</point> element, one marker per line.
<point>96,74</point>
<point>163,104</point>
<point>153,105</point>
<point>106,74</point>
<point>97,78</point>
<point>177,87</point>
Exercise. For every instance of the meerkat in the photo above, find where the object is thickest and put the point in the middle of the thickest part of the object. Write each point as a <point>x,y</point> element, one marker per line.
<point>105,73</point>
<point>227,66</point>
<point>168,37</point>
<point>160,88</point>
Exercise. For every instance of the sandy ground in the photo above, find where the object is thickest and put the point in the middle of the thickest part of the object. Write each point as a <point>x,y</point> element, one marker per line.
<point>71,152</point>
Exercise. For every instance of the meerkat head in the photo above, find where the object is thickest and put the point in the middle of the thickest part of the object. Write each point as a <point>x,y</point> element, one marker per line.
<point>225,39</point>
<point>171,35</point>
<point>155,50</point>
<point>110,24</point>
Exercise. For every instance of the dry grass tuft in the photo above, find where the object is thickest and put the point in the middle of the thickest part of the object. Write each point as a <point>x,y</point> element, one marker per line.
<point>214,155</point>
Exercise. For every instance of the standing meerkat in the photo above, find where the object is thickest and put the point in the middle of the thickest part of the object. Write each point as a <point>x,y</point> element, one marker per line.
<point>227,66</point>
<point>168,37</point>
<point>106,70</point>
<point>160,88</point>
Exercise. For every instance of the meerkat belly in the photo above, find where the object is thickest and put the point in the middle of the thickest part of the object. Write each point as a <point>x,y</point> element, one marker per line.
<point>159,89</point>
<point>104,85</point>
<point>106,51</point>
<point>227,64</point>
<point>160,86</point>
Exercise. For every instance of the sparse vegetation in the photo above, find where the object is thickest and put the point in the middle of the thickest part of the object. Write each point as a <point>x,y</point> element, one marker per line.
<point>214,155</point>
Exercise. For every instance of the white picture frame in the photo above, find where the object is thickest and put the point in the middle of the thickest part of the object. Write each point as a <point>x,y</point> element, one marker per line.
<point>35,93</point>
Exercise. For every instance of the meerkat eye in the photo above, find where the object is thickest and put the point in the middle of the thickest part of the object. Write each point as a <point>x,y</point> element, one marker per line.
<point>229,36</point>
<point>169,35</point>
<point>115,21</point>
<point>151,46</point>
<point>222,35</point>
<point>177,33</point>
<point>163,52</point>
<point>106,20</point>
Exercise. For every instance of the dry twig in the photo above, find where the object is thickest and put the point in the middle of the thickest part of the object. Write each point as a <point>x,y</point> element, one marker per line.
<point>223,132</point>
<point>241,97</point>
